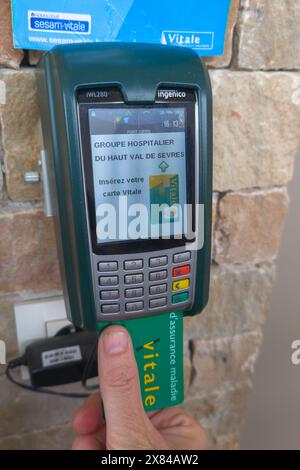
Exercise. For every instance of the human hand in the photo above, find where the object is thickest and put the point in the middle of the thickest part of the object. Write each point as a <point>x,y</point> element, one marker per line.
<point>127,426</point>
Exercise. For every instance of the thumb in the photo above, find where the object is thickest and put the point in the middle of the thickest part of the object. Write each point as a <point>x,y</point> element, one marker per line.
<point>127,425</point>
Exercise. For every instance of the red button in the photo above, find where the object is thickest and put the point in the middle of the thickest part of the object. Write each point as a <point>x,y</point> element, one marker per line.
<point>181,270</point>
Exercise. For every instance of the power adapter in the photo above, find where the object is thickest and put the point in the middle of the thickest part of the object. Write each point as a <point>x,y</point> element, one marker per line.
<point>59,360</point>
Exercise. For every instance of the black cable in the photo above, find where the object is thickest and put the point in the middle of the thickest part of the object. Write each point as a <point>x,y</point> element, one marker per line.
<point>20,361</point>
<point>66,330</point>
<point>87,369</point>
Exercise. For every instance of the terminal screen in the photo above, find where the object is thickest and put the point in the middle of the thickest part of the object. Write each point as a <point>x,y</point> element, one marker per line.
<point>139,171</point>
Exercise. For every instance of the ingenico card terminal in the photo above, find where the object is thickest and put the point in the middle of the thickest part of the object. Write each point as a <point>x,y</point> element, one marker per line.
<point>127,132</point>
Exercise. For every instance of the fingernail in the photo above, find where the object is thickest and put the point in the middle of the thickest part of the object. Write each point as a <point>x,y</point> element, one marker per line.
<point>115,342</point>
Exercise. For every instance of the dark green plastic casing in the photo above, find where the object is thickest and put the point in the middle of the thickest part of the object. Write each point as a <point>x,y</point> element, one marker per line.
<point>137,70</point>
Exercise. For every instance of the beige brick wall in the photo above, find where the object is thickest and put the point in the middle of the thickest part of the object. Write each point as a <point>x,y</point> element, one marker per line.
<point>256,88</point>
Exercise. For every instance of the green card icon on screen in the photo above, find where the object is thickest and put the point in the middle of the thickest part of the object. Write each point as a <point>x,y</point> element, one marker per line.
<point>164,190</point>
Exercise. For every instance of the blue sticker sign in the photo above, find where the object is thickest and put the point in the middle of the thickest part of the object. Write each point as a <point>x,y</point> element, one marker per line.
<point>199,24</point>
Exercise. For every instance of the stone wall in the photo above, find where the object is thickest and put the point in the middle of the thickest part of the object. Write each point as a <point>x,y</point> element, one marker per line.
<point>256,87</point>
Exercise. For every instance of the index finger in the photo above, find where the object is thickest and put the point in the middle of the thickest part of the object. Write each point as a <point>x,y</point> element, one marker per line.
<point>88,419</point>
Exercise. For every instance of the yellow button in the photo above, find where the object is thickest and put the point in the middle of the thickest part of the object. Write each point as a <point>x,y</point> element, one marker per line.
<point>182,284</point>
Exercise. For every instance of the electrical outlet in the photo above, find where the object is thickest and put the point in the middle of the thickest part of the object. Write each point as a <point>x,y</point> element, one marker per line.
<point>39,319</point>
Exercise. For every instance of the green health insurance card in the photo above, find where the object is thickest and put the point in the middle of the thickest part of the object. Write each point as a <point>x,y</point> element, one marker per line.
<point>158,347</point>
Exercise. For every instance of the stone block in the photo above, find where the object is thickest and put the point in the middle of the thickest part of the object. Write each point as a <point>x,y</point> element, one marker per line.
<point>250,226</point>
<point>23,411</point>
<point>20,121</point>
<point>223,360</point>
<point>222,412</point>
<point>240,300</point>
<point>256,128</point>
<point>268,35</point>
<point>9,57</point>
<point>28,255</point>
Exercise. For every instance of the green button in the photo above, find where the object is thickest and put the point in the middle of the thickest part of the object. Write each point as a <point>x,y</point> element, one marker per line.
<point>181,297</point>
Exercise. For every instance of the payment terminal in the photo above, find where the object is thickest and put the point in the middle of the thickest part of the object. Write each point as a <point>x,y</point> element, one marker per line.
<point>127,132</point>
